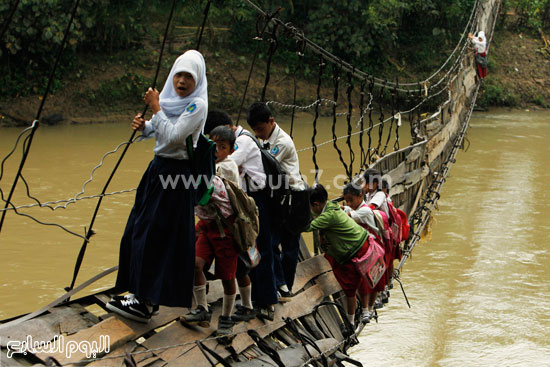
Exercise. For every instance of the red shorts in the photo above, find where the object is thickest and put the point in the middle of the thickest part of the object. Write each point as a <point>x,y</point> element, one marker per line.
<point>210,245</point>
<point>347,275</point>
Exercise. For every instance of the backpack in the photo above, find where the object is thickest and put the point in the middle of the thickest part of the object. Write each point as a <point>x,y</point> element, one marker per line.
<point>203,165</point>
<point>395,223</point>
<point>276,178</point>
<point>400,228</point>
<point>246,226</point>
<point>482,60</point>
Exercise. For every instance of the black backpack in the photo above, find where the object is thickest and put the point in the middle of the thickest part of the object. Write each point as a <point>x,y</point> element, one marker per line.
<point>276,178</point>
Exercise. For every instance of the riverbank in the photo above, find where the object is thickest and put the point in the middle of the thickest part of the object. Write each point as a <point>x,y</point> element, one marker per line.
<point>109,87</point>
<point>518,73</point>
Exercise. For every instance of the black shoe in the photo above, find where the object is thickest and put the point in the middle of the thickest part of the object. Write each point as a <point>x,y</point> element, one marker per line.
<point>285,296</point>
<point>130,307</point>
<point>199,316</point>
<point>154,312</point>
<point>385,296</point>
<point>225,325</point>
<point>378,305</point>
<point>243,313</point>
<point>265,313</point>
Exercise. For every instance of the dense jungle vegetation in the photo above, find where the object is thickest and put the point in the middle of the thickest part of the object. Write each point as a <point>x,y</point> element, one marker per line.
<point>405,39</point>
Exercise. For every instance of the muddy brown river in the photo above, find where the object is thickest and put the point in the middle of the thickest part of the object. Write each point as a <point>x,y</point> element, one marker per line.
<point>479,287</point>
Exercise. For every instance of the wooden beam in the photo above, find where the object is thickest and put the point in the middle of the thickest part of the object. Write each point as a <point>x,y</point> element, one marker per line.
<point>118,329</point>
<point>300,305</point>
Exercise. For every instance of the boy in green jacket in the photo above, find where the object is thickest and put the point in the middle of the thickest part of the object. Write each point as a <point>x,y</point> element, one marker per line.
<point>342,239</point>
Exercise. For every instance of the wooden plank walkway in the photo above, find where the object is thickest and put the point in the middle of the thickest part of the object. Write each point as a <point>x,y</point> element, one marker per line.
<point>164,340</point>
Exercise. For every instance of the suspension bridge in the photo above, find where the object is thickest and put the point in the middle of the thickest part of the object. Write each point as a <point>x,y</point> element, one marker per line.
<point>312,329</point>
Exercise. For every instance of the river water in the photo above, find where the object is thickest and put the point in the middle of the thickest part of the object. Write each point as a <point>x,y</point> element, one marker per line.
<point>479,288</point>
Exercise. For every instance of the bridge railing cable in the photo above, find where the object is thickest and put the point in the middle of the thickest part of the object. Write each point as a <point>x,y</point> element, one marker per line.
<point>130,141</point>
<point>40,108</point>
<point>8,20</point>
<point>299,36</point>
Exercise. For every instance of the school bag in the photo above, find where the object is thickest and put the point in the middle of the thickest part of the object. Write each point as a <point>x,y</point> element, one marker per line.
<point>482,60</point>
<point>371,265</point>
<point>203,165</point>
<point>246,225</point>
<point>276,178</point>
<point>399,227</point>
<point>296,216</point>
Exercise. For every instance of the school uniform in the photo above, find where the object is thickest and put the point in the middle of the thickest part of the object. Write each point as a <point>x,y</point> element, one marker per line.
<point>378,199</point>
<point>215,240</point>
<point>157,251</point>
<point>364,217</point>
<point>343,239</point>
<point>281,146</point>
<point>253,180</point>
<point>229,170</point>
<point>481,50</point>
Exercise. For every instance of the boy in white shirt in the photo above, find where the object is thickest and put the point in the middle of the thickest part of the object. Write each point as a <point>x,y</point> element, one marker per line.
<point>282,147</point>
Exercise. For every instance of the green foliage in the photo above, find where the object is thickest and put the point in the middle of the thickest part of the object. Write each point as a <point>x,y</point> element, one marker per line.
<point>128,87</point>
<point>495,94</point>
<point>32,40</point>
<point>534,14</point>
<point>539,100</point>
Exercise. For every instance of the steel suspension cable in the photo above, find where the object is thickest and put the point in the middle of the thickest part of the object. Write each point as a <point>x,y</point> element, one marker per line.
<point>9,19</point>
<point>300,54</point>
<point>349,91</point>
<point>314,156</point>
<point>336,79</point>
<point>298,35</point>
<point>39,112</point>
<point>273,44</point>
<point>206,11</point>
<point>362,155</point>
<point>130,141</point>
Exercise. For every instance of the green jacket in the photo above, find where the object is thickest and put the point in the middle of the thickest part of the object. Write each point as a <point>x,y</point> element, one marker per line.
<point>343,236</point>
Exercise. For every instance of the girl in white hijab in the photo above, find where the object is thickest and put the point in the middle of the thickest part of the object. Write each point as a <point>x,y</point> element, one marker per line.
<point>480,44</point>
<point>157,250</point>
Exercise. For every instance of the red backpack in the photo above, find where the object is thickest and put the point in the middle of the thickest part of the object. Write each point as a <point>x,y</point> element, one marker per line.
<point>400,228</point>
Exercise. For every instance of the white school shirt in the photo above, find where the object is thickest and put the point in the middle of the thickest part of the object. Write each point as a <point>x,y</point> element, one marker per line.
<point>248,157</point>
<point>171,132</point>
<point>229,170</point>
<point>282,148</point>
<point>363,215</point>
<point>379,200</point>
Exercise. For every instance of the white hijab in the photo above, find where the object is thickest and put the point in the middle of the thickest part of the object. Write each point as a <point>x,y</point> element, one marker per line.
<point>191,62</point>
<point>480,45</point>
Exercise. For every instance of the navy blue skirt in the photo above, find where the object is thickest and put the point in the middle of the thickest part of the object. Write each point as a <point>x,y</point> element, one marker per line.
<point>157,250</point>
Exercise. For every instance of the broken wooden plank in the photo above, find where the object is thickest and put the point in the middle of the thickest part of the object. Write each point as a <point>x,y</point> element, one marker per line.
<point>299,306</point>
<point>293,356</point>
<point>183,337</point>
<point>45,328</point>
<point>108,335</point>
<point>309,269</point>
<point>118,330</point>
<point>130,347</point>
